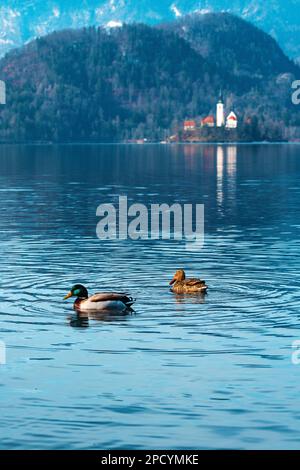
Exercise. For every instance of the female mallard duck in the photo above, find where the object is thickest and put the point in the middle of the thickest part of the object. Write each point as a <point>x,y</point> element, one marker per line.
<point>99,302</point>
<point>181,285</point>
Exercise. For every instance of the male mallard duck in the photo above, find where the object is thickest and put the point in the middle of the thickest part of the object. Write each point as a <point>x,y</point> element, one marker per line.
<point>99,302</point>
<point>181,285</point>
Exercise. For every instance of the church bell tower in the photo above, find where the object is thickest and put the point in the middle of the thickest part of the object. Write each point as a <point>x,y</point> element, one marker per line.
<point>220,112</point>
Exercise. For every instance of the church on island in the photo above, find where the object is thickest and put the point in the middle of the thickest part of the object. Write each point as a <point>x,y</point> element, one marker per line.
<point>220,120</point>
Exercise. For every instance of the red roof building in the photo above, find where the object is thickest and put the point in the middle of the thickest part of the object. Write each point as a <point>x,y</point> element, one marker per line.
<point>231,121</point>
<point>189,125</point>
<point>208,121</point>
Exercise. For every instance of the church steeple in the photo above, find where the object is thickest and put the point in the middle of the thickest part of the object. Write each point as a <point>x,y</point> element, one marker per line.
<point>220,111</point>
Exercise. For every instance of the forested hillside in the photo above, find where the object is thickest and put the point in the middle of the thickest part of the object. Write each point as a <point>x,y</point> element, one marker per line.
<point>142,82</point>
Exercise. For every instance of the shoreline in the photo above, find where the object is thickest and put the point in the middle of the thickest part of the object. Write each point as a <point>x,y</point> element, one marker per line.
<point>163,144</point>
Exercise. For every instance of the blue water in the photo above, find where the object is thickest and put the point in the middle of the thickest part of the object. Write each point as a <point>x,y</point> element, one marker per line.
<point>178,372</point>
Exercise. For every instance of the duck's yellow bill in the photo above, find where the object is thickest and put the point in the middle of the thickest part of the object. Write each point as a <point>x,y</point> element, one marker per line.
<point>68,296</point>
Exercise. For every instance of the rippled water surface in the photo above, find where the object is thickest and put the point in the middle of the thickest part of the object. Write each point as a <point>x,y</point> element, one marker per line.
<point>178,372</point>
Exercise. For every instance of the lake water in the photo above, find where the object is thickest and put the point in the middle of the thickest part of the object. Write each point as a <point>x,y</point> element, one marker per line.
<point>178,372</point>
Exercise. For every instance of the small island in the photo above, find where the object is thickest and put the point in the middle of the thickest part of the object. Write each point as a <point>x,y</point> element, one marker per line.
<point>224,126</point>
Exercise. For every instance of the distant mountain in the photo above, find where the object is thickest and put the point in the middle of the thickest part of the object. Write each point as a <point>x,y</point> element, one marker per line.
<point>138,81</point>
<point>24,20</point>
<point>232,44</point>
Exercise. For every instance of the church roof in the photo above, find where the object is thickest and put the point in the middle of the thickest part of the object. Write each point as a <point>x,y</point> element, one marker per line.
<point>208,120</point>
<point>232,116</point>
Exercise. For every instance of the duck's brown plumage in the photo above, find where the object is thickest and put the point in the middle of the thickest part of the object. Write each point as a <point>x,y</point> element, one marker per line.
<point>181,285</point>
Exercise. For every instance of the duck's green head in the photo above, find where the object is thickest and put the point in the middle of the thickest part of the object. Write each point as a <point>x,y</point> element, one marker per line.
<point>78,291</point>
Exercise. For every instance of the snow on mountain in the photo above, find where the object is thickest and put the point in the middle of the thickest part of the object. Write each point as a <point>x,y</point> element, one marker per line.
<point>23,20</point>
<point>114,24</point>
<point>175,11</point>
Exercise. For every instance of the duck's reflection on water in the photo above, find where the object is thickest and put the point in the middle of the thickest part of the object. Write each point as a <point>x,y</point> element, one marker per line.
<point>82,319</point>
<point>190,298</point>
<point>78,320</point>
